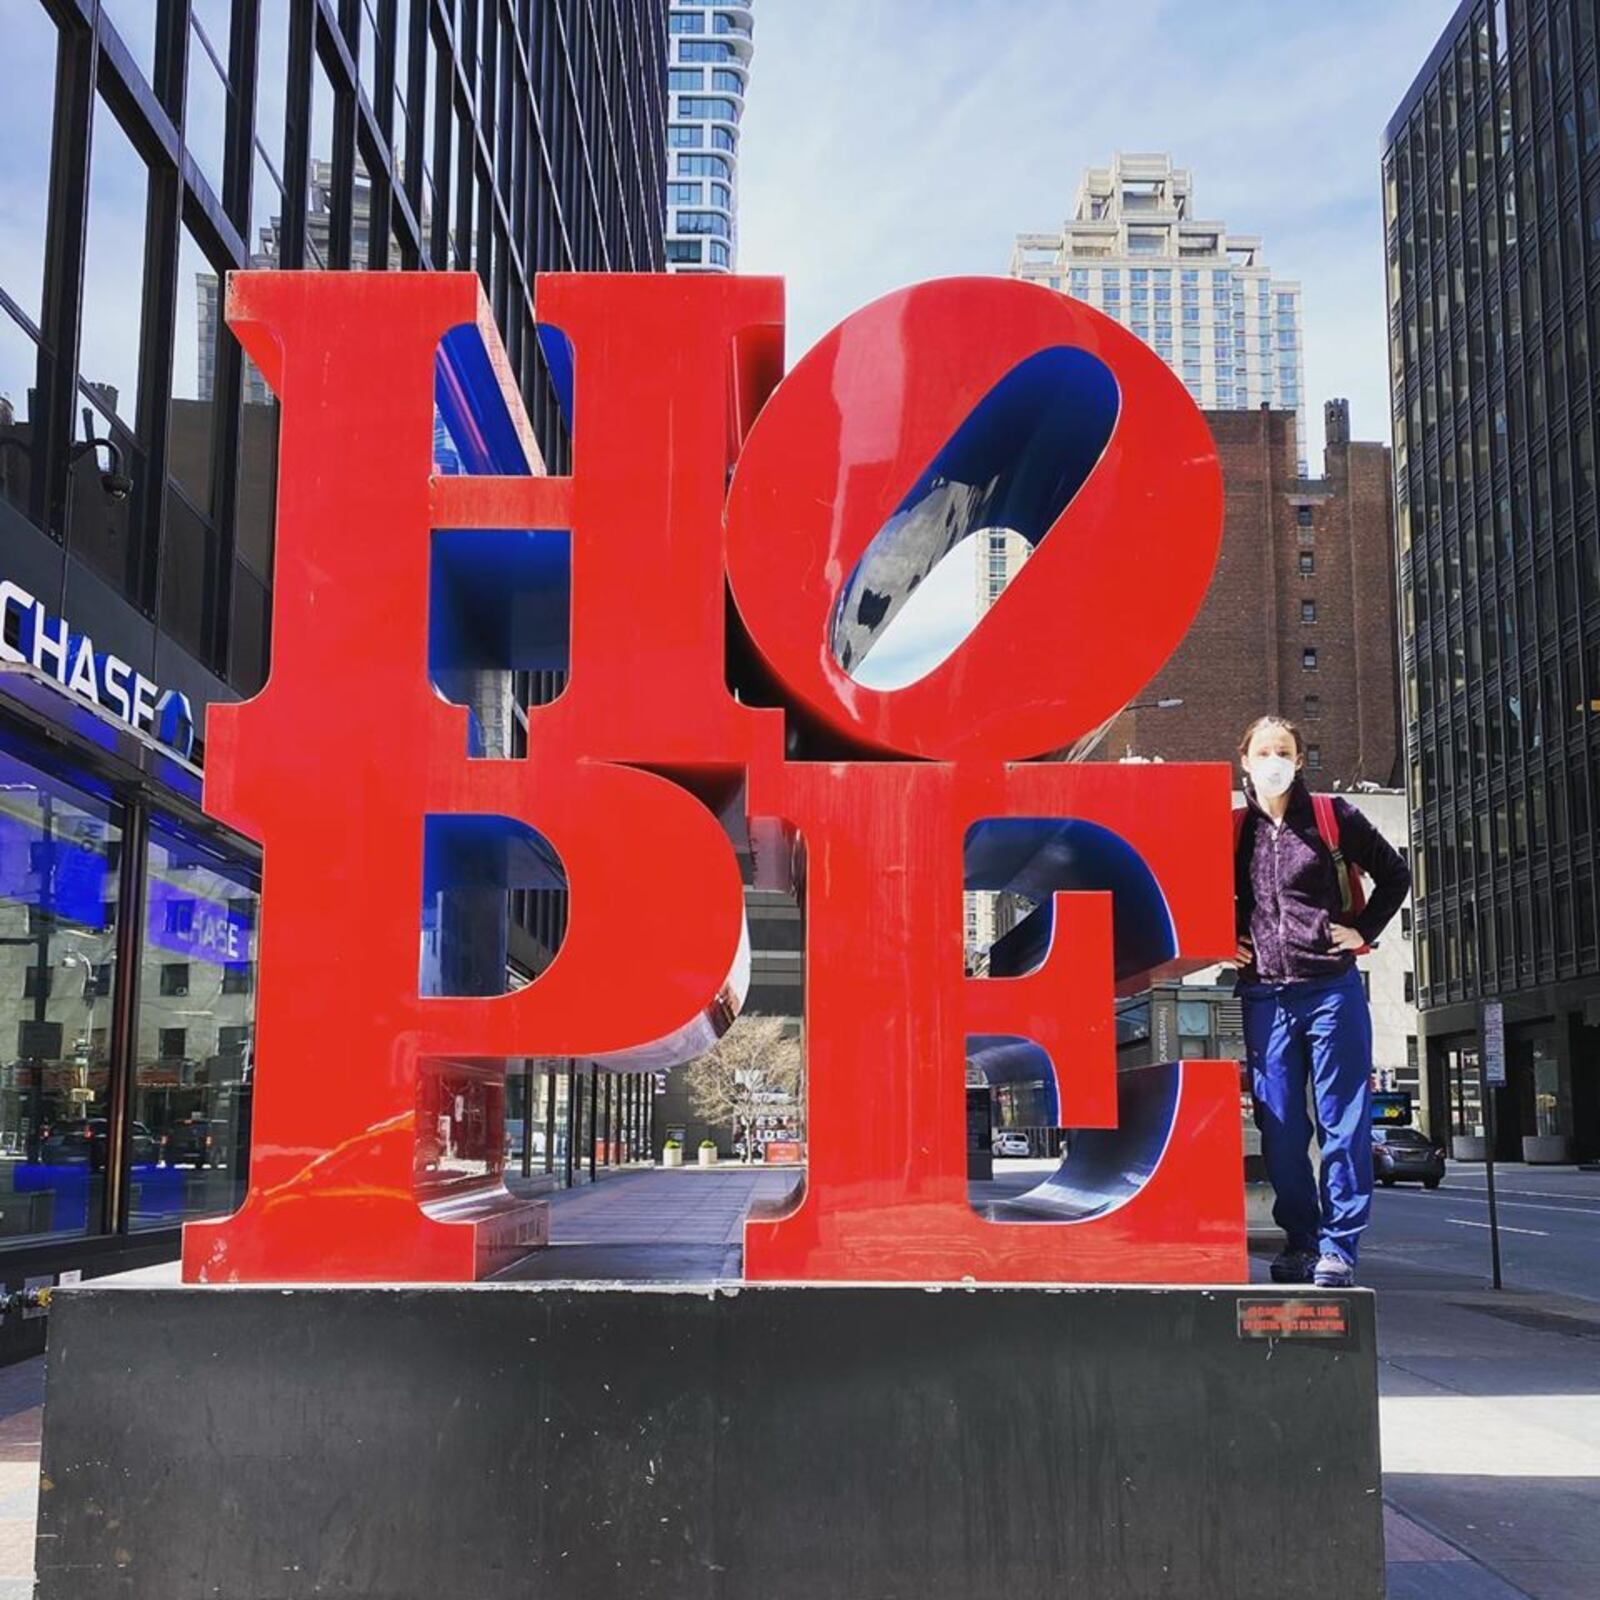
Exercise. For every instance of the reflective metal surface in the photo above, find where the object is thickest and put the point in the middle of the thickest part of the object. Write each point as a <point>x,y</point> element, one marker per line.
<point>917,421</point>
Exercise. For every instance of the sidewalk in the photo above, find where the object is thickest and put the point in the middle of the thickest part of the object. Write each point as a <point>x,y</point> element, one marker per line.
<point>649,1225</point>
<point>1490,1407</point>
<point>21,1399</point>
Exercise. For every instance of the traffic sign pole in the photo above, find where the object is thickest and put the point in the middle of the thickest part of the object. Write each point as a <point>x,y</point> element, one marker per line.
<point>1494,1076</point>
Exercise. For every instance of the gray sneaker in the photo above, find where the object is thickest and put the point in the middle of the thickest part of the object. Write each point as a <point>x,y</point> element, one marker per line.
<point>1293,1266</point>
<point>1333,1272</point>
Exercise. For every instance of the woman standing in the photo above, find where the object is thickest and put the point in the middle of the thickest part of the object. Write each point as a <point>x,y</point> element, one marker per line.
<point>1306,1020</point>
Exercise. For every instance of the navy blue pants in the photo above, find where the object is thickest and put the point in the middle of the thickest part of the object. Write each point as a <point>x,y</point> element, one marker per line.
<point>1319,1032</point>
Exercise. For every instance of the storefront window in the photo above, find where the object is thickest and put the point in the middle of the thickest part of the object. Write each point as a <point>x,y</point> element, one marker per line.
<point>1552,1099</point>
<point>196,1027</point>
<point>1466,1093</point>
<point>58,925</point>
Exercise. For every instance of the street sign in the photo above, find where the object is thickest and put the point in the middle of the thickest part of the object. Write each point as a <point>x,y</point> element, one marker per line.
<point>1494,1077</point>
<point>1494,1044</point>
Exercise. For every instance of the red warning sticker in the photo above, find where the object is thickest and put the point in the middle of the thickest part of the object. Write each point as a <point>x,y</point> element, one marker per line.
<point>1296,1317</point>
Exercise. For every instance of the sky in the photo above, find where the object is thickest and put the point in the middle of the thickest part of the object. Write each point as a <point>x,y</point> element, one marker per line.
<point>889,141</point>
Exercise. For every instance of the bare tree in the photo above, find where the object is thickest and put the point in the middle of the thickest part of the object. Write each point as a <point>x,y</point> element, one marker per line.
<point>752,1070</point>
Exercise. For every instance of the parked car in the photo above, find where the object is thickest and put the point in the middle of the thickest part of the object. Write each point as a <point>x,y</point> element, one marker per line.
<point>1403,1155</point>
<point>71,1143</point>
<point>1011,1144</point>
<point>191,1142</point>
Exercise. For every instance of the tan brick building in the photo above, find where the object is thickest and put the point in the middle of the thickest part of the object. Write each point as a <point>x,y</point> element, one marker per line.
<point>1300,616</point>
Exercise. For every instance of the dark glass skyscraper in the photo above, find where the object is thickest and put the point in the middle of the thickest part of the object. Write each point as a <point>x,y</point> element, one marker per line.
<point>1491,173</point>
<point>166,143</point>
<point>150,147</point>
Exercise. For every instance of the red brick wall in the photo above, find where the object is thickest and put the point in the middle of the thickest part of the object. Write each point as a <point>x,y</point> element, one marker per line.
<point>1243,656</point>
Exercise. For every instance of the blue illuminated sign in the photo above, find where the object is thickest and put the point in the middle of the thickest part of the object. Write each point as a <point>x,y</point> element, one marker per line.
<point>48,645</point>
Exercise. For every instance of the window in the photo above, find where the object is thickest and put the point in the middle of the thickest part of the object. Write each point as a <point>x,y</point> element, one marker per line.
<point>209,99</point>
<point>102,530</point>
<point>682,250</point>
<point>1308,660</point>
<point>705,50</point>
<point>1308,610</point>
<point>702,222</point>
<point>190,1092</point>
<point>719,253</point>
<point>1308,563</point>
<point>29,77</point>
<point>57,1065</point>
<point>1302,516</point>
<point>1410,990</point>
<point>686,22</point>
<point>1405,922</point>
<point>689,78</point>
<point>705,108</point>
<point>685,194</point>
<point>728,82</point>
<point>706,166</point>
<point>677,135</point>
<point>1314,757</point>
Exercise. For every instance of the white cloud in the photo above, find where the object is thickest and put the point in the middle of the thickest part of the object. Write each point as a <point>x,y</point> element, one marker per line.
<point>905,139</point>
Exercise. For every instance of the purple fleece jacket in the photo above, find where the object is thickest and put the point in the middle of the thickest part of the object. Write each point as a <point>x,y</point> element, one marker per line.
<point>1287,891</point>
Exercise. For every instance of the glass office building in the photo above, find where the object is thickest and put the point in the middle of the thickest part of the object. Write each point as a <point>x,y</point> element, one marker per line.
<point>1491,176</point>
<point>151,147</point>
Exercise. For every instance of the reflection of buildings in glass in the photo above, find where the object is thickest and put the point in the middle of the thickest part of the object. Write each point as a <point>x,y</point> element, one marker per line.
<point>58,919</point>
<point>59,926</point>
<point>267,257</point>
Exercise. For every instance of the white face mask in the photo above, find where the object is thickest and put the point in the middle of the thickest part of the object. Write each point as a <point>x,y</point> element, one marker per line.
<point>1272,775</point>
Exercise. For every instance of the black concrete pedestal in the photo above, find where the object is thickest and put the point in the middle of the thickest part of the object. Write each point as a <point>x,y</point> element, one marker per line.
<point>744,1444</point>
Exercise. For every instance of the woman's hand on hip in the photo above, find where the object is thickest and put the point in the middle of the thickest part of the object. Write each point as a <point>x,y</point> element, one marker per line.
<point>1343,938</point>
<point>1242,956</point>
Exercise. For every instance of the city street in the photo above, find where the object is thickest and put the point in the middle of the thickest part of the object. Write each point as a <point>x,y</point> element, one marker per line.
<point>1549,1227</point>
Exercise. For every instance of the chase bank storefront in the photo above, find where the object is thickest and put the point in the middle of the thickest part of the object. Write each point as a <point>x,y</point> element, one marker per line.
<point>127,964</point>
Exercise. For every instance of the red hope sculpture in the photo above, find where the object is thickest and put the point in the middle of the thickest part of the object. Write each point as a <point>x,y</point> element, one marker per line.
<point>336,765</point>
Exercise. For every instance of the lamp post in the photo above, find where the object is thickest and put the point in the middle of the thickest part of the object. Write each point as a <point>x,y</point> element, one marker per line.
<point>1091,742</point>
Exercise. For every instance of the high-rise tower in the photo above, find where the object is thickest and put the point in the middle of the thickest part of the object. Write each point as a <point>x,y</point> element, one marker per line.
<point>1202,298</point>
<point>710,49</point>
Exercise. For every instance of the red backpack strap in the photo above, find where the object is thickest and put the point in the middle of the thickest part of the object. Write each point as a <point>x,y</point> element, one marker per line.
<point>1352,896</point>
<point>1327,821</point>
